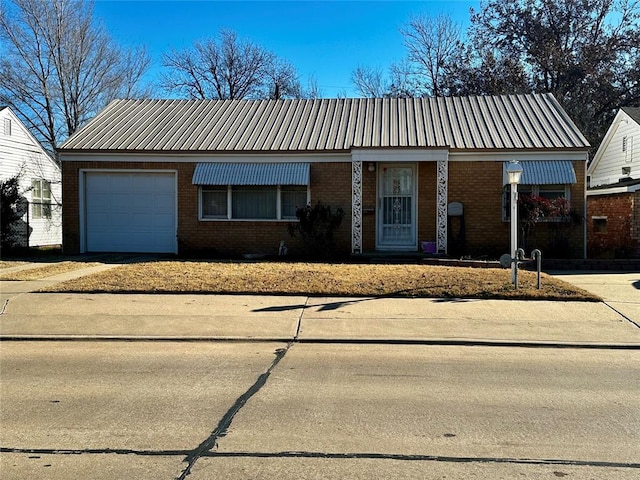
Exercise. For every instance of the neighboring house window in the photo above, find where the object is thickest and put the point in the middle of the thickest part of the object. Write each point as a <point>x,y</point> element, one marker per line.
<point>599,224</point>
<point>550,192</point>
<point>251,202</point>
<point>624,144</point>
<point>40,199</point>
<point>7,127</point>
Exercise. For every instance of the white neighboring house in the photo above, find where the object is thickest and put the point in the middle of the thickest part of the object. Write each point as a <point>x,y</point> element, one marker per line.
<point>618,158</point>
<point>40,180</point>
<point>613,195</point>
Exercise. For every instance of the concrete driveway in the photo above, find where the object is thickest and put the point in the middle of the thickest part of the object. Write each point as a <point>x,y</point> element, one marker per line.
<point>620,291</point>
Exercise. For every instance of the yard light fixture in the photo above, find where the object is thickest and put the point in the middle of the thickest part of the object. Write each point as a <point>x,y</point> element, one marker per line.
<point>514,171</point>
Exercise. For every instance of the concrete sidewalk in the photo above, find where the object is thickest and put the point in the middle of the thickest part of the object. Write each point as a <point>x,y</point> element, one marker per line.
<point>286,318</point>
<point>621,291</point>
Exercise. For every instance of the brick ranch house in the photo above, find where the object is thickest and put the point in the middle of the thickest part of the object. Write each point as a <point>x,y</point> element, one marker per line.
<point>225,176</point>
<point>613,196</point>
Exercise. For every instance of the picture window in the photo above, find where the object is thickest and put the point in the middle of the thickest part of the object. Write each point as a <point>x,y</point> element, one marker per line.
<point>252,202</point>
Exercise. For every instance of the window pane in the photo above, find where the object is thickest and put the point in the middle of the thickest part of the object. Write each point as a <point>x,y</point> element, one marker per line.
<point>46,191</point>
<point>36,210</point>
<point>254,202</point>
<point>36,192</point>
<point>551,191</point>
<point>214,203</point>
<point>292,198</point>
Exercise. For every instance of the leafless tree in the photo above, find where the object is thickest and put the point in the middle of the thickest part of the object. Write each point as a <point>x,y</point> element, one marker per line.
<point>58,67</point>
<point>281,80</point>
<point>369,82</point>
<point>229,68</point>
<point>431,43</point>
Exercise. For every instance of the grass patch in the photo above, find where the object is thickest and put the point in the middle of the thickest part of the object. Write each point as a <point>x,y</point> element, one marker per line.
<point>320,279</point>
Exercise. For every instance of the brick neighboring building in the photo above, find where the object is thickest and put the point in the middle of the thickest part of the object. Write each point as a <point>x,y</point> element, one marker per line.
<point>613,197</point>
<point>225,176</point>
<point>614,227</point>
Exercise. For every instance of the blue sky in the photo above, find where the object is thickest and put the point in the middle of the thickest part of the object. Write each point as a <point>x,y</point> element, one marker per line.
<point>325,39</point>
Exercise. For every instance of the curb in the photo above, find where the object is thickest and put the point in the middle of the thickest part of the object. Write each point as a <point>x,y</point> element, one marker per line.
<point>320,341</point>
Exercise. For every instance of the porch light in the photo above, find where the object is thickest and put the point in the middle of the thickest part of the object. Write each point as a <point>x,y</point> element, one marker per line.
<point>372,167</point>
<point>514,170</point>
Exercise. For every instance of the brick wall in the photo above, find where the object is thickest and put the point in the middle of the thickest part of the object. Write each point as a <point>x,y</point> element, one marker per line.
<point>330,184</point>
<point>619,235</point>
<point>477,185</point>
<point>427,195</point>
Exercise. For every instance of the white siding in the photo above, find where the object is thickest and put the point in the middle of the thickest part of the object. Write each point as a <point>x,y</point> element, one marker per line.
<point>610,158</point>
<point>21,153</point>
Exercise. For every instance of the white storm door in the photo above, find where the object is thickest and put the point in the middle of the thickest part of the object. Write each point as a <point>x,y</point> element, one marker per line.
<point>396,218</point>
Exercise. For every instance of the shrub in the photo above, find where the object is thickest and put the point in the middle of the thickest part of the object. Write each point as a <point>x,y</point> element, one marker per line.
<point>316,226</point>
<point>12,207</point>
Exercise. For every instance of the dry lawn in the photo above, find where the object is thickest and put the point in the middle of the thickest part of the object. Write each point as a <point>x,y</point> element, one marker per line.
<point>320,279</point>
<point>47,270</point>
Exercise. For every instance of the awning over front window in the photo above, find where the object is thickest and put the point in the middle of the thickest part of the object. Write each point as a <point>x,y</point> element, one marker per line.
<point>543,172</point>
<point>251,174</point>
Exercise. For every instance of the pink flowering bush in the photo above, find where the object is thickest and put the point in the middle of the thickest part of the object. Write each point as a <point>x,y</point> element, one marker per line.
<point>534,209</point>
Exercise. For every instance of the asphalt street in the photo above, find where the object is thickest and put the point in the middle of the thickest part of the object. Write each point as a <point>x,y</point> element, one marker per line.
<point>237,387</point>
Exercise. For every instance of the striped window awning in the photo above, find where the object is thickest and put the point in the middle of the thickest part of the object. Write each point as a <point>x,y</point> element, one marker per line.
<point>543,172</point>
<point>251,174</point>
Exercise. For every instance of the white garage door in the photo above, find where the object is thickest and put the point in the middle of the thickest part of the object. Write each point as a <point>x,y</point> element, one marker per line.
<point>130,212</point>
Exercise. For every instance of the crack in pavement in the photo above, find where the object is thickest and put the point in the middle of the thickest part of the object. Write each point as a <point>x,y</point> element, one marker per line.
<point>429,458</point>
<point>327,455</point>
<point>221,430</point>
<point>223,426</point>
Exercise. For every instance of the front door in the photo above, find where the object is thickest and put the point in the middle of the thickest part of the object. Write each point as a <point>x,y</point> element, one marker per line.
<point>396,218</point>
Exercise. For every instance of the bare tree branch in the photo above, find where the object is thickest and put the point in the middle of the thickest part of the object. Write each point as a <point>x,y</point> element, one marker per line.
<point>229,68</point>
<point>58,67</point>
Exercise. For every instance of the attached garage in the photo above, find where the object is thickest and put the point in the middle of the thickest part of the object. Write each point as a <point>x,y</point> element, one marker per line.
<point>130,212</point>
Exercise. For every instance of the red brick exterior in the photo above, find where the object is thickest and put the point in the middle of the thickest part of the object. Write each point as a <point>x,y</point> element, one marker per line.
<point>477,185</point>
<point>621,236</point>
<point>330,184</point>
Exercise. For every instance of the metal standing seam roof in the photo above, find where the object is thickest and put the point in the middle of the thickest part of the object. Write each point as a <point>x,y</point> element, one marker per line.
<point>251,174</point>
<point>543,172</point>
<point>332,125</point>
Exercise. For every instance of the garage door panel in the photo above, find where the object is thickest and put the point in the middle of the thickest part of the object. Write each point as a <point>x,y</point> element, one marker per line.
<point>119,201</point>
<point>130,212</point>
<point>164,202</point>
